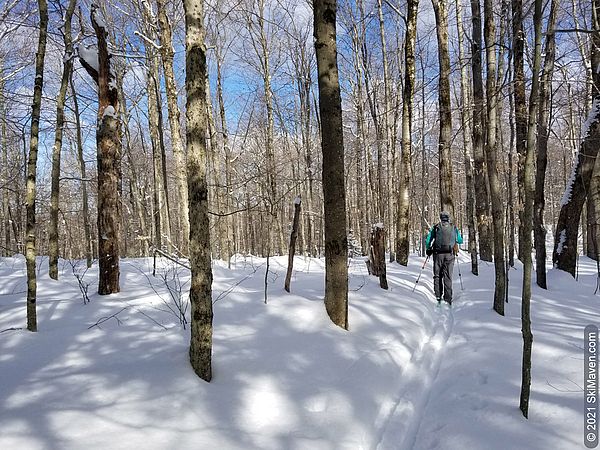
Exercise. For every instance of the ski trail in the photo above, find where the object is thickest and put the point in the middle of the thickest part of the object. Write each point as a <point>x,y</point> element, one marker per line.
<point>400,427</point>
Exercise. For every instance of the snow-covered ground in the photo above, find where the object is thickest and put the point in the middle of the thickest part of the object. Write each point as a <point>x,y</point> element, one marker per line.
<point>406,375</point>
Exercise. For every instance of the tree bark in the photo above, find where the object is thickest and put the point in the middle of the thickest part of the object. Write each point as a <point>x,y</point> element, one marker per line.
<point>466,120</point>
<point>5,174</point>
<point>490,152</point>
<point>196,134</point>
<point>58,136</point>
<point>84,193</point>
<point>402,224</point>
<point>578,186</point>
<point>108,142</point>
<point>292,250</point>
<point>334,191</point>
<point>30,243</point>
<point>482,213</point>
<point>167,54</point>
<point>528,189</point>
<point>230,225</point>
<point>543,126</point>
<point>377,255</point>
<point>160,192</point>
<point>520,109</point>
<point>440,8</point>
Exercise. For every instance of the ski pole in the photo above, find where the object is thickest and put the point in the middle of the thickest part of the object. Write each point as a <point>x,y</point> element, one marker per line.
<point>462,288</point>
<point>420,272</point>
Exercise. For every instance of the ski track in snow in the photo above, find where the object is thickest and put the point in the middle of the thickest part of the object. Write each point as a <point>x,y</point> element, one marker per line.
<point>404,420</point>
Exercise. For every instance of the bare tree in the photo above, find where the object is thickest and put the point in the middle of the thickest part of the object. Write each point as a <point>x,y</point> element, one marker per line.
<point>196,134</point>
<point>490,152</point>
<point>30,244</point>
<point>334,191</point>
<point>528,178</point>
<point>167,54</point>
<point>578,185</point>
<point>543,134</point>
<point>58,137</point>
<point>440,8</point>
<point>481,192</point>
<point>402,225</point>
<point>108,142</point>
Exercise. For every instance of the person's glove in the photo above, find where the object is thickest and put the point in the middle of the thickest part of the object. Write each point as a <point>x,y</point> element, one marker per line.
<point>429,251</point>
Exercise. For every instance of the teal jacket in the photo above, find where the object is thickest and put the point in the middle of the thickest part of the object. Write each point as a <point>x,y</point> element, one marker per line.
<point>459,239</point>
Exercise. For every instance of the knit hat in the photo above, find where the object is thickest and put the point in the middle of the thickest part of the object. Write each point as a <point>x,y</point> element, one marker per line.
<point>445,216</point>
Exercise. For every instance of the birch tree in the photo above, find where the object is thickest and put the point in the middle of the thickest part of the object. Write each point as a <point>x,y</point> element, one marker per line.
<point>196,134</point>
<point>30,243</point>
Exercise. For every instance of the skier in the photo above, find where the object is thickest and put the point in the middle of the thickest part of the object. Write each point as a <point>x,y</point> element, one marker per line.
<point>442,241</point>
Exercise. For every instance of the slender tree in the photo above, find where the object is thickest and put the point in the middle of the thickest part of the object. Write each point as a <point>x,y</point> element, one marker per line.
<point>334,191</point>
<point>440,8</point>
<point>30,244</point>
<point>520,104</point>
<point>196,134</point>
<point>543,134</point>
<point>167,55</point>
<point>466,121</point>
<point>403,225</point>
<point>490,153</point>
<point>58,137</point>
<point>528,189</point>
<point>482,213</point>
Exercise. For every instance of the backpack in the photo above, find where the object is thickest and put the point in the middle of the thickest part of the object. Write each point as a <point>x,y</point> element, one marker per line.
<point>445,237</point>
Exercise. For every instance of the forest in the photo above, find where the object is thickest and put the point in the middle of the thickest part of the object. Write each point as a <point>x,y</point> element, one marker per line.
<point>212,131</point>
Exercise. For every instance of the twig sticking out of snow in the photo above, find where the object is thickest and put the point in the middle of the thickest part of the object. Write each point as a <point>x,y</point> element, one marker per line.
<point>104,319</point>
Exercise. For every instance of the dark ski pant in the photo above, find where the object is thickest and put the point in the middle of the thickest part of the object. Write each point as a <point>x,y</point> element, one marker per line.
<point>443,265</point>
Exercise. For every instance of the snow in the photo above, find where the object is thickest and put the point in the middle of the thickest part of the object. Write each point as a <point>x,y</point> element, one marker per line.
<point>89,55</point>
<point>592,117</point>
<point>109,111</point>
<point>562,238</point>
<point>99,19</point>
<point>569,186</point>
<point>405,375</point>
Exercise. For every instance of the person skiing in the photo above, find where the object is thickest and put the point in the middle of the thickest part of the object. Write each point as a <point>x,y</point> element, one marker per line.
<point>442,241</point>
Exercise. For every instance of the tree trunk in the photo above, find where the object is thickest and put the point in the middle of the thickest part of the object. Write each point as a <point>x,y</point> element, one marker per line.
<point>30,243</point>
<point>196,134</point>
<point>5,176</point>
<point>292,250</point>
<point>482,213</point>
<point>403,218</point>
<point>334,191</point>
<point>377,255</point>
<point>579,185</point>
<point>528,190</point>
<point>542,150</point>
<point>520,110</point>
<point>466,120</point>
<point>58,135</point>
<point>231,235</point>
<point>161,213</point>
<point>108,142</point>
<point>490,152</point>
<point>593,211</point>
<point>445,157</point>
<point>167,54</point>
<point>80,159</point>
